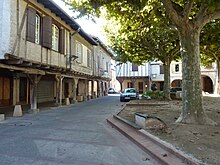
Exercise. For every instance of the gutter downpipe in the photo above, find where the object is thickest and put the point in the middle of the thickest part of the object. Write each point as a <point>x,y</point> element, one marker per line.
<point>71,35</point>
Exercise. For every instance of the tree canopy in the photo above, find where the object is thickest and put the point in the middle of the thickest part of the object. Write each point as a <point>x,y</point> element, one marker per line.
<point>188,17</point>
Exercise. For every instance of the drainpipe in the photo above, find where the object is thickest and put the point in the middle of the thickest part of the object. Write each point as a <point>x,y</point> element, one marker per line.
<point>71,35</point>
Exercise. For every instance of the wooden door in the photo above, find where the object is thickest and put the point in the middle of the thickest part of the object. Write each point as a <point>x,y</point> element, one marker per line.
<point>4,91</point>
<point>140,87</point>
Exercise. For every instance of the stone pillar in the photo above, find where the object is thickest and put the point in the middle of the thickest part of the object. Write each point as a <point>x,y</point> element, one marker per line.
<point>75,82</point>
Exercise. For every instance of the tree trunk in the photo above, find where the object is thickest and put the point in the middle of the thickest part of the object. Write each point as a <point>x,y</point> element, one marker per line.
<point>166,89</point>
<point>218,77</point>
<point>192,111</point>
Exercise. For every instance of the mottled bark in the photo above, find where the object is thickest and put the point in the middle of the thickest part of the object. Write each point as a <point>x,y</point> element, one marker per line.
<point>218,81</point>
<point>192,111</point>
<point>166,89</point>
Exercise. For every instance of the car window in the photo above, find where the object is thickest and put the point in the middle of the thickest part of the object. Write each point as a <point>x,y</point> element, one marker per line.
<point>132,91</point>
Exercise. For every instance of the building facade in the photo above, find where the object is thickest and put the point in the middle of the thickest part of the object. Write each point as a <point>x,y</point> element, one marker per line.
<point>133,76</point>
<point>130,75</point>
<point>45,56</point>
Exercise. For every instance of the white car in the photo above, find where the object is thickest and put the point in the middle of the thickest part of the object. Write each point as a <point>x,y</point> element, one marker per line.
<point>111,90</point>
<point>129,94</point>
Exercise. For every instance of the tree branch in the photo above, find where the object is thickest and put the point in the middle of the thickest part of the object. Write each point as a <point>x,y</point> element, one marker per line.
<point>187,8</point>
<point>199,18</point>
<point>212,16</point>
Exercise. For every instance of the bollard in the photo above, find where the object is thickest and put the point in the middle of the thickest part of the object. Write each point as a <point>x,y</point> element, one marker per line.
<point>17,111</point>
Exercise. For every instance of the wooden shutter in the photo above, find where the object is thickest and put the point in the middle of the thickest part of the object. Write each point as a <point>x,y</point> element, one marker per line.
<point>47,32</point>
<point>62,41</point>
<point>31,25</point>
<point>161,69</point>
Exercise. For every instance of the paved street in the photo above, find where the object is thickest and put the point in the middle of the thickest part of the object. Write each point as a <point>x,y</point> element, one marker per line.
<point>76,134</point>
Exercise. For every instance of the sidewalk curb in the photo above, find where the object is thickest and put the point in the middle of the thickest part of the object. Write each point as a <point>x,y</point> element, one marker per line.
<point>162,151</point>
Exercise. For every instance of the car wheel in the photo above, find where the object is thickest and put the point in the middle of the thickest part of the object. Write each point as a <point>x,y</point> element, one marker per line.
<point>121,99</point>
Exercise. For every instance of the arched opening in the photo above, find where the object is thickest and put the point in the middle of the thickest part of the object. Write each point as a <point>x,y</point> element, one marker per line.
<point>207,84</point>
<point>176,83</point>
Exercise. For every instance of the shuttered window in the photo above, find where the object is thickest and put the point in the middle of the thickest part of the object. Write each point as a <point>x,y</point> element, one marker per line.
<point>89,58</point>
<point>161,69</point>
<point>79,51</point>
<point>134,67</point>
<point>62,41</point>
<point>47,32</point>
<point>31,24</point>
<point>107,66</point>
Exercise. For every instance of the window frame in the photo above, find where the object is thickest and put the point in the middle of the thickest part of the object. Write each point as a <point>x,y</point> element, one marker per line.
<point>79,52</point>
<point>177,69</point>
<point>89,58</point>
<point>134,67</point>
<point>37,28</point>
<point>55,37</point>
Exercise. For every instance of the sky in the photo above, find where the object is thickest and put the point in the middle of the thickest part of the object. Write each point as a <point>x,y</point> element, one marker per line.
<point>94,29</point>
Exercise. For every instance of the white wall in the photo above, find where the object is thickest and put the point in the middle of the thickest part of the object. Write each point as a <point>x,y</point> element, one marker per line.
<point>125,70</point>
<point>4,26</point>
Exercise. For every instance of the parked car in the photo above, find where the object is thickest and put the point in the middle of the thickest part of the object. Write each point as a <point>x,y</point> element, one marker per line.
<point>111,90</point>
<point>173,91</point>
<point>129,94</point>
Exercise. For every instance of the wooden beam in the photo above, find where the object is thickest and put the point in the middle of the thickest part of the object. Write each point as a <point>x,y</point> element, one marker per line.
<point>15,61</point>
<point>25,70</point>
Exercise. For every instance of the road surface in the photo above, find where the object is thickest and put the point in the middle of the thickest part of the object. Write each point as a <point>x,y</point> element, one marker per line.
<point>77,134</point>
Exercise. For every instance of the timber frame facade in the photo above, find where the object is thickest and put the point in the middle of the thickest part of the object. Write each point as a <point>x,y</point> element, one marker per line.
<point>45,56</point>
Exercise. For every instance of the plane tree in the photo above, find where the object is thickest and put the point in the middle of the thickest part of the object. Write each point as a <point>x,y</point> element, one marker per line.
<point>188,17</point>
<point>152,40</point>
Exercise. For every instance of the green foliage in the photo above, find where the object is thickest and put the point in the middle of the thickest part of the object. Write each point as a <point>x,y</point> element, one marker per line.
<point>154,94</point>
<point>210,43</point>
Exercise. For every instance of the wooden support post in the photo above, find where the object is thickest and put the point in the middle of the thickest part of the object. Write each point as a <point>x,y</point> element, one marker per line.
<point>75,83</point>
<point>86,90</point>
<point>92,89</point>
<point>34,80</point>
<point>59,94</point>
<point>98,89</point>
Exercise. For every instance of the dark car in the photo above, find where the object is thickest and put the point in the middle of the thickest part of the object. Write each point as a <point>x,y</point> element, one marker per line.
<point>173,92</point>
<point>129,94</point>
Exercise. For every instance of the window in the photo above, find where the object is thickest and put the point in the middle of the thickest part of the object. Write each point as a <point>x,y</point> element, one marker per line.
<point>129,85</point>
<point>161,69</point>
<point>177,67</point>
<point>107,66</point>
<point>134,67</point>
<point>79,49</point>
<point>55,37</point>
<point>37,30</point>
<point>89,58</point>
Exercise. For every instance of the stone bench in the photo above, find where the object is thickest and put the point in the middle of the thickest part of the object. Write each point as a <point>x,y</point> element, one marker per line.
<point>146,121</point>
